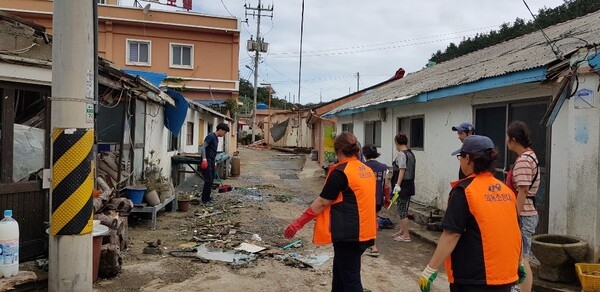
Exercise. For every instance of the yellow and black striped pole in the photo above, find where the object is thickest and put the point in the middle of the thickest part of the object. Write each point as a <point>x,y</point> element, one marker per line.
<point>72,181</point>
<point>72,120</point>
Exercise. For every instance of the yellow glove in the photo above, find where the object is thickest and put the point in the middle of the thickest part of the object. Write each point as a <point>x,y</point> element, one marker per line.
<point>427,277</point>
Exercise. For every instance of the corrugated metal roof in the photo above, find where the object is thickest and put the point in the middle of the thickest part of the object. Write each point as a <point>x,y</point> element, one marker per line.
<point>519,54</point>
<point>197,105</point>
<point>155,78</point>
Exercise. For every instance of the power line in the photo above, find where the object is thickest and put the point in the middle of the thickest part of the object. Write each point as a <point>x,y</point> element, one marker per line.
<point>295,54</point>
<point>552,45</point>
<point>225,6</point>
<point>373,49</point>
<point>385,44</point>
<point>332,78</point>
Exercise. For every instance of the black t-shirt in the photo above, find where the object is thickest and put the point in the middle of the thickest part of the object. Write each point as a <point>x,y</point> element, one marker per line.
<point>335,183</point>
<point>457,214</point>
<point>211,142</point>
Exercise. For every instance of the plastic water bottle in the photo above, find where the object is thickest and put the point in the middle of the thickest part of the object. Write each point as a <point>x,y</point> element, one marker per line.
<point>9,245</point>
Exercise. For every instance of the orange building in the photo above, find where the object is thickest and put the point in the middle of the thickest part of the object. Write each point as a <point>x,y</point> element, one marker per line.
<point>199,53</point>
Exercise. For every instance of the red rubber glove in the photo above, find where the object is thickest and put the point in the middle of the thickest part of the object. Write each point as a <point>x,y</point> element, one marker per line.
<point>306,217</point>
<point>204,164</point>
<point>386,197</point>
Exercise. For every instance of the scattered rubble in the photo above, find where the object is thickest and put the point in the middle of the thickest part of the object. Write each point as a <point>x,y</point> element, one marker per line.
<point>312,260</point>
<point>228,256</point>
<point>153,247</point>
<point>218,237</point>
<point>11,283</point>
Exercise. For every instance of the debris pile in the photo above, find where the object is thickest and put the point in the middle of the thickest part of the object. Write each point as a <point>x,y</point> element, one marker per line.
<point>112,212</point>
<point>108,166</point>
<point>218,236</point>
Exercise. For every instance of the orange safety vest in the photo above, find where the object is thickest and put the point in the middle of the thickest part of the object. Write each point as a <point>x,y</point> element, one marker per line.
<point>493,206</point>
<point>351,217</point>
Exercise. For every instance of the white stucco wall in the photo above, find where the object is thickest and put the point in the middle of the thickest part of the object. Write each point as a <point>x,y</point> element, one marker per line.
<point>157,136</point>
<point>436,168</point>
<point>574,198</point>
<point>559,159</point>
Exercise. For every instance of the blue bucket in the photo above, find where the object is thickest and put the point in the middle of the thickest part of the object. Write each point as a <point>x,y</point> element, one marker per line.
<point>136,195</point>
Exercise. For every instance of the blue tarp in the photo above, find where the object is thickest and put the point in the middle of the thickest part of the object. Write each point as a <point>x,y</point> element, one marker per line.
<point>155,78</point>
<point>175,115</point>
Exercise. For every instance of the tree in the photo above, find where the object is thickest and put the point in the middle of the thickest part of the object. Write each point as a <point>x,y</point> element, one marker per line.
<point>262,96</point>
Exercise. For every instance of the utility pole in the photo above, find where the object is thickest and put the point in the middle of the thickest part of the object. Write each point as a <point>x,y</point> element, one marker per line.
<point>357,81</point>
<point>300,65</point>
<point>72,124</point>
<point>268,131</point>
<point>258,46</point>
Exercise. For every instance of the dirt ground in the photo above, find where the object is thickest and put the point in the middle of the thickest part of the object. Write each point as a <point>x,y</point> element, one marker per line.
<point>272,190</point>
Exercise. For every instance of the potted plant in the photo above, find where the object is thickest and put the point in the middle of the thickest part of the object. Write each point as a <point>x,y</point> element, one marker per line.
<point>183,201</point>
<point>153,179</point>
<point>152,169</point>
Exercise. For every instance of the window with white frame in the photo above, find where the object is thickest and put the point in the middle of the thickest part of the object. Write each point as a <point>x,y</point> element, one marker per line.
<point>189,135</point>
<point>414,128</point>
<point>373,133</point>
<point>173,143</point>
<point>348,127</point>
<point>138,52</point>
<point>182,56</point>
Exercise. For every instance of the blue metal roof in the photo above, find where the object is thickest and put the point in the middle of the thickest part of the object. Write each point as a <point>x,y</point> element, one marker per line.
<point>156,78</point>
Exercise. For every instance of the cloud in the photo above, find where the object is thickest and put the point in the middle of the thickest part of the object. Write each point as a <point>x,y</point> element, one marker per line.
<point>373,38</point>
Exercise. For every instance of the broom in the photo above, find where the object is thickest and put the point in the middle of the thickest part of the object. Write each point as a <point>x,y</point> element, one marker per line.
<point>394,198</point>
<point>222,188</point>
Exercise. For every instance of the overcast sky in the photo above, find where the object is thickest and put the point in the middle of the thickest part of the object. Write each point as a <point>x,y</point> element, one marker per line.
<point>345,37</point>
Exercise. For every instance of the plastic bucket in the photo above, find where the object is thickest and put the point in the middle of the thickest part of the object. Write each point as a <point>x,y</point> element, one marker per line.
<point>136,195</point>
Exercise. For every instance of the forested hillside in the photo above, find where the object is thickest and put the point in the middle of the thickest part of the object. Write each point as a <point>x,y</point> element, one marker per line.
<point>545,17</point>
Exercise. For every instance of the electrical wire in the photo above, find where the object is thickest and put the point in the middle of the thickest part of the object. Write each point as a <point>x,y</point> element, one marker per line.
<point>225,6</point>
<point>19,51</point>
<point>118,101</point>
<point>271,29</point>
<point>153,115</point>
<point>374,49</point>
<point>390,43</point>
<point>329,78</point>
<point>551,44</point>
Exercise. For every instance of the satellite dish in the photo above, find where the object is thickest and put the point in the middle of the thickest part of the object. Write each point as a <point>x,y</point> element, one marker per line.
<point>147,8</point>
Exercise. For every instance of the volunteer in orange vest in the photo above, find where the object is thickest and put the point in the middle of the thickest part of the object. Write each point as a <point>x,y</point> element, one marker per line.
<point>345,213</point>
<point>481,241</point>
<point>524,179</point>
